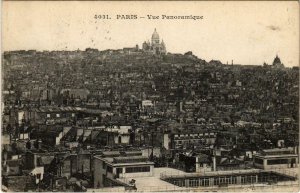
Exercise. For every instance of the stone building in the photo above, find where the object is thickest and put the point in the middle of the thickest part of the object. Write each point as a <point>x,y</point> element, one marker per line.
<point>156,47</point>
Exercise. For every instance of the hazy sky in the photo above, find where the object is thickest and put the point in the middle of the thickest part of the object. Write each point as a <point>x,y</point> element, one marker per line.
<point>246,32</point>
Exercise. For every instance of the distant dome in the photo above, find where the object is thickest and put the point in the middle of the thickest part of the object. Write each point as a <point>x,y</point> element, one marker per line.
<point>155,34</point>
<point>276,60</point>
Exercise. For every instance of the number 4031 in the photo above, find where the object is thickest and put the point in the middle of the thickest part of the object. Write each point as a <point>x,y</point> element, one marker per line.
<point>102,17</point>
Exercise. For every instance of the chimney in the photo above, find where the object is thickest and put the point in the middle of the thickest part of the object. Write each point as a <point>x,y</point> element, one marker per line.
<point>39,144</point>
<point>197,164</point>
<point>214,163</point>
<point>180,106</point>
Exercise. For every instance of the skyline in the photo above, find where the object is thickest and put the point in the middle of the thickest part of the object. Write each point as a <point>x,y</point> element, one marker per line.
<point>252,38</point>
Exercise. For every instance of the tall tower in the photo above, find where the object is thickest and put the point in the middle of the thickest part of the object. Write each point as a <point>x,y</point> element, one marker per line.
<point>163,47</point>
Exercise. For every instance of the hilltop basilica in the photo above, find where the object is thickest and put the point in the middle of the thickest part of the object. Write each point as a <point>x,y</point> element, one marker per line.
<point>156,47</point>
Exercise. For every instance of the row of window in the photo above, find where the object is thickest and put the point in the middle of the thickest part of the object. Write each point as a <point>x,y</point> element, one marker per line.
<point>275,161</point>
<point>128,170</point>
<point>59,115</point>
<point>194,140</point>
<point>278,161</point>
<point>194,135</point>
<point>137,169</point>
<point>216,181</point>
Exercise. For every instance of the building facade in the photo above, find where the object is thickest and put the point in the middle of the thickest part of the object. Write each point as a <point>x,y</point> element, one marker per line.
<point>276,158</point>
<point>108,168</point>
<point>185,140</point>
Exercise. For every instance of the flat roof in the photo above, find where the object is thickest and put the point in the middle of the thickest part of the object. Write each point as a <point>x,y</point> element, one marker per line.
<point>109,161</point>
<point>278,149</point>
<point>213,173</point>
<point>110,153</point>
<point>276,156</point>
<point>154,183</point>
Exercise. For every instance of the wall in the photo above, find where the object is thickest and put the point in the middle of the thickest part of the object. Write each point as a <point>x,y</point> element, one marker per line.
<point>11,171</point>
<point>147,152</point>
<point>124,139</point>
<point>66,169</point>
<point>58,138</point>
<point>166,141</point>
<point>30,161</point>
<point>38,170</point>
<point>83,163</point>
<point>73,159</point>
<point>98,173</point>
<point>20,116</point>
<point>79,133</point>
<point>124,129</point>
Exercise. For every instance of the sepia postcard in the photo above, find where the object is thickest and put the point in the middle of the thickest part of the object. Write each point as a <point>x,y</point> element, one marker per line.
<point>150,96</point>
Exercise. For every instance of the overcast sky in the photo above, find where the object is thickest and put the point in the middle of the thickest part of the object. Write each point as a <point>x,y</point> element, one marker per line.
<point>245,32</point>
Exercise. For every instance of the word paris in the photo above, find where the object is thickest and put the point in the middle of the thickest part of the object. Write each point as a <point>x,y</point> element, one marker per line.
<point>150,17</point>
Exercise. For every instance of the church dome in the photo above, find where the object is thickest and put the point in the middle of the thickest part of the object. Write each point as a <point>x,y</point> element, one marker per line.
<point>276,60</point>
<point>155,34</point>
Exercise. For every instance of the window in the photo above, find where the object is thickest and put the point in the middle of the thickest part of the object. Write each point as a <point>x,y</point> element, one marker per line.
<point>109,169</point>
<point>48,115</point>
<point>216,181</point>
<point>234,179</point>
<point>137,169</point>
<point>119,170</point>
<point>103,165</point>
<point>258,161</point>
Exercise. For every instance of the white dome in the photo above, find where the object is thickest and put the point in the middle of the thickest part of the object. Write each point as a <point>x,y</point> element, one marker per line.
<point>155,34</point>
